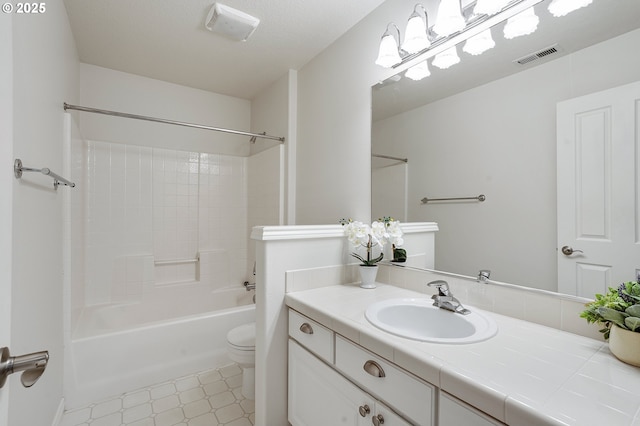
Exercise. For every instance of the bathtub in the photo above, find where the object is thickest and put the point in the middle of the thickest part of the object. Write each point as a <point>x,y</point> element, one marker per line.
<point>118,348</point>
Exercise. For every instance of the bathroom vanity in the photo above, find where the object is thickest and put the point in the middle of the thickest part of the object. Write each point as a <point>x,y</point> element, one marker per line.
<point>343,370</point>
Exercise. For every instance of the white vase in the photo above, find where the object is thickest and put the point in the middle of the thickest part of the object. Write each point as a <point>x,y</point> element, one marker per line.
<point>625,345</point>
<point>368,276</point>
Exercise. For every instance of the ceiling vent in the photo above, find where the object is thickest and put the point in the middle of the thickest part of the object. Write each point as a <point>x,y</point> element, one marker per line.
<point>231,23</point>
<point>543,53</point>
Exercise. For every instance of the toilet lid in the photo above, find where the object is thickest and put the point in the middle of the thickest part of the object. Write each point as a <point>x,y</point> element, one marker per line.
<point>243,336</point>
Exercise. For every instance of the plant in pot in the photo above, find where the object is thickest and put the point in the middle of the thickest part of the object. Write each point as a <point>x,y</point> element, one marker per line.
<point>369,236</point>
<point>619,311</point>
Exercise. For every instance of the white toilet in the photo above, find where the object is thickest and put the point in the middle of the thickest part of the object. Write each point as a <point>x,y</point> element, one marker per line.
<point>241,346</point>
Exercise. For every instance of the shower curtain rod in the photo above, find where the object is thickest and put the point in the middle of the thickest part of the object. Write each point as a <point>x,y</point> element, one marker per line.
<point>175,123</point>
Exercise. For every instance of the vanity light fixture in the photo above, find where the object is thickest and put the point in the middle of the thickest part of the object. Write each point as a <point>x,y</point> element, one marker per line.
<point>524,23</point>
<point>447,58</point>
<point>415,35</point>
<point>454,25</point>
<point>449,19</point>
<point>479,43</point>
<point>419,71</point>
<point>489,7</point>
<point>389,52</point>
<point>562,7</point>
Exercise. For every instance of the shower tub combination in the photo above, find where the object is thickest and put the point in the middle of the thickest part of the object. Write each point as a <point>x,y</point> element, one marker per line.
<point>128,331</point>
<point>122,347</point>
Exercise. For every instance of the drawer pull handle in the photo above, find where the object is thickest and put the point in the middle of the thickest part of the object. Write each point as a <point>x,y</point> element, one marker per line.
<point>377,420</point>
<point>364,410</point>
<point>374,369</point>
<point>306,328</point>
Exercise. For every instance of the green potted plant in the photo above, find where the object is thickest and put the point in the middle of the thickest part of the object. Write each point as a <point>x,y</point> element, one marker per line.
<point>619,311</point>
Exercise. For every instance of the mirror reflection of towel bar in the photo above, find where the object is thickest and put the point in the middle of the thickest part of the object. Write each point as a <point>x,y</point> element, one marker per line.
<point>176,261</point>
<point>479,198</point>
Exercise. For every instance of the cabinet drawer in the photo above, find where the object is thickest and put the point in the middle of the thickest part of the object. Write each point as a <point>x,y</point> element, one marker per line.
<point>315,337</point>
<point>407,394</point>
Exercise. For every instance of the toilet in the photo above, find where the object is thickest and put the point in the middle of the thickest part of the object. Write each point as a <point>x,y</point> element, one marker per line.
<point>241,347</point>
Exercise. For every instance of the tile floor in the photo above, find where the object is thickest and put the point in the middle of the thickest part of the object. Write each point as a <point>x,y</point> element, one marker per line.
<point>209,398</point>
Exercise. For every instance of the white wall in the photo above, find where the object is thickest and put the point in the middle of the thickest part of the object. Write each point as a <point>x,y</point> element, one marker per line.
<point>500,140</point>
<point>274,111</point>
<point>334,121</point>
<point>107,89</point>
<point>45,73</point>
<point>6,191</point>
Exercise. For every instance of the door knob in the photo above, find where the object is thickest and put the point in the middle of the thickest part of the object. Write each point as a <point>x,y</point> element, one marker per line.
<point>32,364</point>
<point>568,251</point>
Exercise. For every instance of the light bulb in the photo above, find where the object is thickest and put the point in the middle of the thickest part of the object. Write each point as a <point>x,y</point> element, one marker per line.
<point>447,58</point>
<point>449,18</point>
<point>479,43</point>
<point>388,55</point>
<point>418,71</point>
<point>562,7</point>
<point>415,36</point>
<point>525,22</point>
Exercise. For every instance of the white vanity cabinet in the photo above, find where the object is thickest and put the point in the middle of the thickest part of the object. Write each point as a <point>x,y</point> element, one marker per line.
<point>453,412</point>
<point>328,390</point>
<point>320,396</point>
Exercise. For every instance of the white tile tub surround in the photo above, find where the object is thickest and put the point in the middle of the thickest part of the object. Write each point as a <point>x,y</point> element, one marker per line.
<point>527,374</point>
<point>171,205</point>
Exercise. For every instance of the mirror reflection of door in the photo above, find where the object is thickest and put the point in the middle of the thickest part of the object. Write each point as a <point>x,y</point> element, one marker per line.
<point>598,190</point>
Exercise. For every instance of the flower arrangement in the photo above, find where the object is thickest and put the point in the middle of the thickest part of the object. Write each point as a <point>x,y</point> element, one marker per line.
<point>619,306</point>
<point>380,232</point>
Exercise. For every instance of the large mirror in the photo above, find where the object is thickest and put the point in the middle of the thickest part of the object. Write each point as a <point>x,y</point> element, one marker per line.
<point>488,125</point>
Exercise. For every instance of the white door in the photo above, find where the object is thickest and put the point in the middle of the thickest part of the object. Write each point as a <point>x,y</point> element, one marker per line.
<point>598,190</point>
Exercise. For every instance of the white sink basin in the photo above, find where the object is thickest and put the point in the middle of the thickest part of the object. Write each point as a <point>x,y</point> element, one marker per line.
<point>418,319</point>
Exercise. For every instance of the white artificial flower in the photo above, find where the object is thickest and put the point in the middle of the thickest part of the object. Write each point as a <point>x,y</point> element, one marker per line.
<point>357,233</point>
<point>394,233</point>
<point>378,233</point>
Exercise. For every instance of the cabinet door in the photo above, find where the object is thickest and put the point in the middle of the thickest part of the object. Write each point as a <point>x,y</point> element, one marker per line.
<point>454,412</point>
<point>388,417</point>
<point>319,396</point>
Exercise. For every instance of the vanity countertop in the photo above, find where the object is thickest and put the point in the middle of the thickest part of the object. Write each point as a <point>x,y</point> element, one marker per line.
<point>527,374</point>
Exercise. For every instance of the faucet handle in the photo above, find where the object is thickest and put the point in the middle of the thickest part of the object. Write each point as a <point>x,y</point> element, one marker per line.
<point>442,286</point>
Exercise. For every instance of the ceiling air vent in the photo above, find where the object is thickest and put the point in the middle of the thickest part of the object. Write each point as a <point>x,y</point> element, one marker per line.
<point>538,55</point>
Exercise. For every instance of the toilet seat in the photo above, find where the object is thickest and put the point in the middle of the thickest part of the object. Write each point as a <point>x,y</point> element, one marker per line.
<point>243,338</point>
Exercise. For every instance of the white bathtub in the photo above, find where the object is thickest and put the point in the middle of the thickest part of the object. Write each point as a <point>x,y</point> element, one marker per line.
<point>123,347</point>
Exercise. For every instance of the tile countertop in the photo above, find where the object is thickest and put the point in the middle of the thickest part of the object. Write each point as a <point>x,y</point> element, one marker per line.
<point>527,374</point>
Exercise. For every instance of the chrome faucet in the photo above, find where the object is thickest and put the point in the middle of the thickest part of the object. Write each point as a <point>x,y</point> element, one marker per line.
<point>483,275</point>
<point>445,300</point>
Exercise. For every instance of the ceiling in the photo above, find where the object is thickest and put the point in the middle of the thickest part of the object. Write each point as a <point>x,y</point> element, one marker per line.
<point>167,40</point>
<point>600,21</point>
